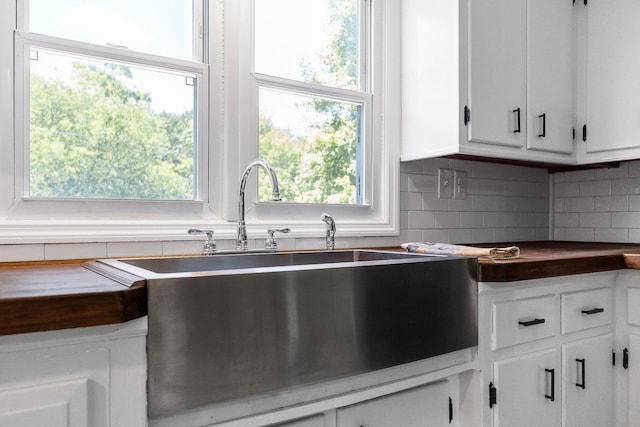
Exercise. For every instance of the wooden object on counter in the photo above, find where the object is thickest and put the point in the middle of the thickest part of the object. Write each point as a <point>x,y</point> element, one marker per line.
<point>59,296</point>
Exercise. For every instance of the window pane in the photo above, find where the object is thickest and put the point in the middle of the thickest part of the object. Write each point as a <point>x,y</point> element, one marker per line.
<point>310,41</point>
<point>106,130</point>
<point>160,27</point>
<point>313,145</point>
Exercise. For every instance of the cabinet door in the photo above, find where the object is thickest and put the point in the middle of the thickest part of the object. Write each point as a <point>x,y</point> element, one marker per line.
<point>634,380</point>
<point>612,70</point>
<point>527,392</point>
<point>426,406</point>
<point>497,58</point>
<point>550,75</point>
<point>55,404</point>
<point>588,382</point>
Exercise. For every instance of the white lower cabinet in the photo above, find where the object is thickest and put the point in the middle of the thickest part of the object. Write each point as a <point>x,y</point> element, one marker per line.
<point>426,406</point>
<point>588,382</point>
<point>85,377</point>
<point>526,390</point>
<point>552,365</point>
<point>634,381</point>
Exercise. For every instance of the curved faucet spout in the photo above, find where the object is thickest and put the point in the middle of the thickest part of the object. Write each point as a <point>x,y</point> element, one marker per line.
<point>241,242</point>
<point>331,230</point>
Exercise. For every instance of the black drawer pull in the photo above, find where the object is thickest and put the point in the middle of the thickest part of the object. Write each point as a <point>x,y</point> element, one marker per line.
<point>543,134</point>
<point>593,311</point>
<point>517,113</point>
<point>552,396</point>
<point>584,379</point>
<point>531,322</point>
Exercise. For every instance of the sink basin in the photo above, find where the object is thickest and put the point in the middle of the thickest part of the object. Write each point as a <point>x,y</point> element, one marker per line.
<point>239,260</point>
<point>231,326</point>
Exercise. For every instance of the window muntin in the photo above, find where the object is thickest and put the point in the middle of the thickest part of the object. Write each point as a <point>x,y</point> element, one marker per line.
<point>144,116</point>
<point>316,52</point>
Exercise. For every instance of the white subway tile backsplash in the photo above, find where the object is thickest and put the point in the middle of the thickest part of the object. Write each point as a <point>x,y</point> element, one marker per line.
<point>634,168</point>
<point>447,220</point>
<point>421,219</point>
<point>422,183</point>
<point>565,220</point>
<point>579,204</point>
<point>567,189</point>
<point>613,173</point>
<point>630,186</point>
<point>595,188</point>
<point>133,249</point>
<point>595,220</point>
<point>410,201</point>
<point>17,253</point>
<point>613,204</point>
<point>56,251</point>
<point>578,176</point>
<point>617,235</point>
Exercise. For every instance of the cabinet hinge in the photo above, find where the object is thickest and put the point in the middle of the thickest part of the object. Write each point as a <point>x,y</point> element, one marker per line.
<point>625,358</point>
<point>584,133</point>
<point>467,115</point>
<point>493,399</point>
<point>450,410</point>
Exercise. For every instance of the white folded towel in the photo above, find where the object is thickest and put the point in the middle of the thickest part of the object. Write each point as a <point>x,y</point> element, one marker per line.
<point>449,249</point>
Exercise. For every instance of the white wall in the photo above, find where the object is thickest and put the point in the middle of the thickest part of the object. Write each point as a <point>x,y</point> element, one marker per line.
<point>504,203</point>
<point>601,205</point>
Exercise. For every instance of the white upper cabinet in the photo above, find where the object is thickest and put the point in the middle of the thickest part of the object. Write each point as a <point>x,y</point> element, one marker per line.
<point>491,78</point>
<point>551,71</point>
<point>608,76</point>
<point>497,65</point>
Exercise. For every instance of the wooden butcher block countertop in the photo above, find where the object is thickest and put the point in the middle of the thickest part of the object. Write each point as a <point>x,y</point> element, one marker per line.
<point>48,296</point>
<point>552,259</point>
<point>45,296</point>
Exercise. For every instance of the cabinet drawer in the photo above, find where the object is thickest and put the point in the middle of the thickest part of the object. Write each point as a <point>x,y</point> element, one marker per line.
<point>520,321</point>
<point>633,306</point>
<point>586,309</point>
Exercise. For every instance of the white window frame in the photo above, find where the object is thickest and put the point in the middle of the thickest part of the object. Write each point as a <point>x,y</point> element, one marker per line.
<point>232,126</point>
<point>378,215</point>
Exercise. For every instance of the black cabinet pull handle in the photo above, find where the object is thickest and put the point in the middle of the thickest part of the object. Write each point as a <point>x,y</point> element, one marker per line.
<point>552,396</point>
<point>625,358</point>
<point>584,375</point>
<point>544,125</point>
<point>517,112</point>
<point>593,311</point>
<point>531,322</point>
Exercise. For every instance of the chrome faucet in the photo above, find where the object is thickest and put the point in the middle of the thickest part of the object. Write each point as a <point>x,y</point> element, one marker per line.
<point>209,247</point>
<point>241,241</point>
<point>331,230</point>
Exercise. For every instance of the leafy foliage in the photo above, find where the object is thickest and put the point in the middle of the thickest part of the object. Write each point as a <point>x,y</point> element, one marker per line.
<point>321,165</point>
<point>96,137</point>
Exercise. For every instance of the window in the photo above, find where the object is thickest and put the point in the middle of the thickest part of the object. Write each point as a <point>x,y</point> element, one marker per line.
<point>133,120</point>
<point>113,102</point>
<point>310,66</point>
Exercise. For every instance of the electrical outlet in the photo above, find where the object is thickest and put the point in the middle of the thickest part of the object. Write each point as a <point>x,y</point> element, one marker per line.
<point>460,185</point>
<point>445,184</point>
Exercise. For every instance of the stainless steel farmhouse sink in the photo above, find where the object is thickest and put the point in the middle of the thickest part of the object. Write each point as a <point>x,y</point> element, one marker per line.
<point>226,327</point>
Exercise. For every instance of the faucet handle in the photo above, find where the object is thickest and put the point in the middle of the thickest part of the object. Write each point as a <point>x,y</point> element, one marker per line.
<point>271,240</point>
<point>209,247</point>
